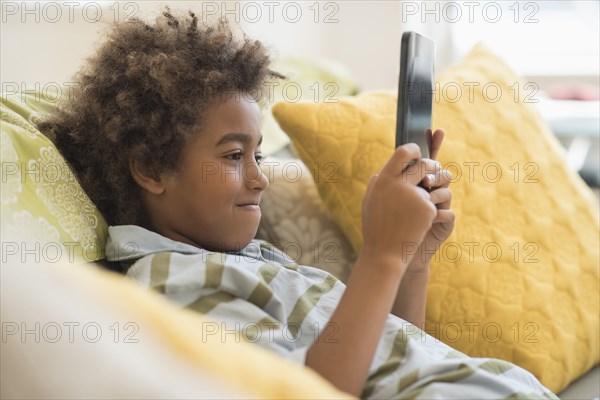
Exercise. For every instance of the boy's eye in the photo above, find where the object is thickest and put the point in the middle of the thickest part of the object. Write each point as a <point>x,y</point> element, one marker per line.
<point>238,156</point>
<point>235,156</point>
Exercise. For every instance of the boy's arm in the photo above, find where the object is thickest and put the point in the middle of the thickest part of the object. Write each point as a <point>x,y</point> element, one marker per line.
<point>356,326</point>
<point>411,299</point>
<point>344,351</point>
<point>412,293</point>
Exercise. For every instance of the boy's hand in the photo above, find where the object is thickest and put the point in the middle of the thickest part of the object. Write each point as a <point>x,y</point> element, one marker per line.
<point>441,196</point>
<point>396,212</point>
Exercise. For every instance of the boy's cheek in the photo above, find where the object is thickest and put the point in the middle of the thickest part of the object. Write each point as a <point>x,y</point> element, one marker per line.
<point>208,171</point>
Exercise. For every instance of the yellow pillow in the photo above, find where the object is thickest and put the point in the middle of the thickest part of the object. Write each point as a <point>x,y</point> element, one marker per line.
<point>519,277</point>
<point>124,312</point>
<point>317,79</point>
<point>39,190</point>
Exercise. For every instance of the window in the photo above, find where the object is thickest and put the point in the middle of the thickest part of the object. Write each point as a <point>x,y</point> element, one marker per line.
<point>537,38</point>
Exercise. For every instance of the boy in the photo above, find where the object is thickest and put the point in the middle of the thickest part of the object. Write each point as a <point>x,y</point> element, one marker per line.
<point>164,134</point>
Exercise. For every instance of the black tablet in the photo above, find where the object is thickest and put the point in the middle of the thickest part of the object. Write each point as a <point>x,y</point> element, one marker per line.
<point>415,90</point>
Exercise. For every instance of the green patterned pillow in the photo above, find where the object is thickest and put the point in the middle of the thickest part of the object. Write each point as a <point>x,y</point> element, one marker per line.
<point>43,204</point>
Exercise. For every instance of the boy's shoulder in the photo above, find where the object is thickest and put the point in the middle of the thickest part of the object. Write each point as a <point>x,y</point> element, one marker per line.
<point>155,260</point>
<point>128,243</point>
<point>267,251</point>
<point>132,242</point>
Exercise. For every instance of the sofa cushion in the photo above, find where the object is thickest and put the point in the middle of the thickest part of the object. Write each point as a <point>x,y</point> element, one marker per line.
<point>139,338</point>
<point>316,79</point>
<point>39,190</point>
<point>519,277</point>
<point>295,220</point>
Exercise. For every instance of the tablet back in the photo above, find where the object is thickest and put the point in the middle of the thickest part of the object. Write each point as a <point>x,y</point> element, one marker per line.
<point>415,90</point>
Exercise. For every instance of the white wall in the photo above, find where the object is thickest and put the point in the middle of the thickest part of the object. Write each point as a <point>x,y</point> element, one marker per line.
<point>40,44</point>
<point>363,35</point>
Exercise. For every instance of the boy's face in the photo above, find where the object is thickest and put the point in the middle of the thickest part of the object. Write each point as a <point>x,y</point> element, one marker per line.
<point>213,202</point>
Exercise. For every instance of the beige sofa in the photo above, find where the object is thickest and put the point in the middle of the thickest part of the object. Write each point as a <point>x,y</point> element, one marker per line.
<point>50,233</point>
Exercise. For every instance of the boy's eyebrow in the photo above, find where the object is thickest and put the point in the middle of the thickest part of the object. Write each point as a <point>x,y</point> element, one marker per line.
<point>237,137</point>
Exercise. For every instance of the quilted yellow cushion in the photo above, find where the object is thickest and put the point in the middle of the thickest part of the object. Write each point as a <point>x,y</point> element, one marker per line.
<point>317,79</point>
<point>519,277</point>
<point>295,220</point>
<point>40,192</point>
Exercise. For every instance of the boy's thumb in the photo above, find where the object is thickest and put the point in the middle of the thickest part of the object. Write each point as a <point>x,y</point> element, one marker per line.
<point>370,186</point>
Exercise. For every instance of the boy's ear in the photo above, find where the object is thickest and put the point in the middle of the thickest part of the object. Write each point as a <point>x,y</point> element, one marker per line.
<point>153,184</point>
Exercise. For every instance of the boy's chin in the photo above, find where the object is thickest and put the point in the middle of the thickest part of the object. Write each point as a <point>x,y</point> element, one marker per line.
<point>232,241</point>
<point>229,247</point>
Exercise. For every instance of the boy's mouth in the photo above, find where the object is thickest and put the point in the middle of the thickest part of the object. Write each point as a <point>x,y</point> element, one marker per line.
<point>249,203</point>
<point>249,207</point>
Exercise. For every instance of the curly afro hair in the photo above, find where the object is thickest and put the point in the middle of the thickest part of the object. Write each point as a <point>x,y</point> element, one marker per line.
<point>142,96</point>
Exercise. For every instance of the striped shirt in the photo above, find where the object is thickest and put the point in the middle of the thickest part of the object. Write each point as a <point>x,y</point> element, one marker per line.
<point>262,296</point>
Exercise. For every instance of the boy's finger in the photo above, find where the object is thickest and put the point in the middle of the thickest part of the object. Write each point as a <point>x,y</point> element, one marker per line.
<point>371,184</point>
<point>400,160</point>
<point>369,189</point>
<point>442,198</point>
<point>440,195</point>
<point>429,139</point>
<point>417,172</point>
<point>444,216</point>
<point>440,179</point>
<point>436,142</point>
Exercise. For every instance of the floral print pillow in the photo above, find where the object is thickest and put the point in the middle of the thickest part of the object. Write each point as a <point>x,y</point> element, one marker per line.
<point>45,213</point>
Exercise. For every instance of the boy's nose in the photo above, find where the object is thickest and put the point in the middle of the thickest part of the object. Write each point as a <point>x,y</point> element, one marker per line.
<point>255,178</point>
